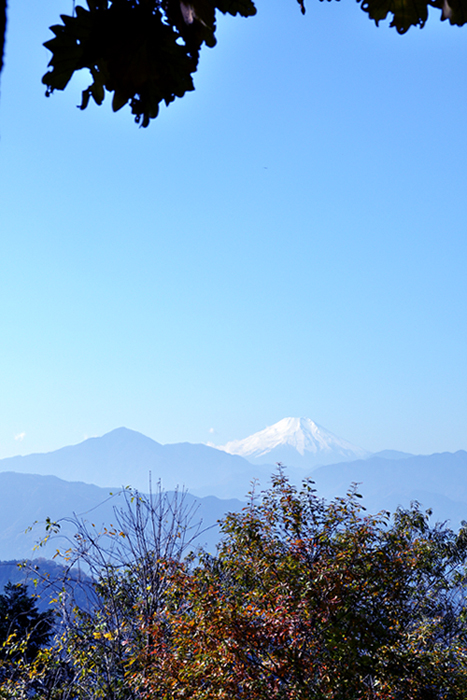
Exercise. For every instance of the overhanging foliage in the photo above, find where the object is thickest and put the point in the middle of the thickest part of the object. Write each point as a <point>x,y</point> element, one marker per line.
<point>146,51</point>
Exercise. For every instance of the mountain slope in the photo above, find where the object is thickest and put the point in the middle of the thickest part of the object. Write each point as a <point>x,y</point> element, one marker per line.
<point>437,481</point>
<point>298,442</point>
<point>27,498</point>
<point>125,457</point>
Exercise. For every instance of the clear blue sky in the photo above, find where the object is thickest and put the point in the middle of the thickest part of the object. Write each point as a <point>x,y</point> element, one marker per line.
<point>289,239</point>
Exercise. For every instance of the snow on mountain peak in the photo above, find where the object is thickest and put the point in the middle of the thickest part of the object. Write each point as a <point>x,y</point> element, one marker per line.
<point>299,439</point>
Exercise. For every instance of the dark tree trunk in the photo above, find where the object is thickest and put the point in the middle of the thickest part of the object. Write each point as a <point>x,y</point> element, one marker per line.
<point>2,30</point>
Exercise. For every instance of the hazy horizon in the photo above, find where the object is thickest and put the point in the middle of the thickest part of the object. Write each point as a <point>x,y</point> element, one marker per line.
<point>208,443</point>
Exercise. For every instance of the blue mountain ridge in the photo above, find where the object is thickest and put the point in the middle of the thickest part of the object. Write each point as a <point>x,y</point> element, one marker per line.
<point>36,486</point>
<point>125,457</point>
<point>26,500</point>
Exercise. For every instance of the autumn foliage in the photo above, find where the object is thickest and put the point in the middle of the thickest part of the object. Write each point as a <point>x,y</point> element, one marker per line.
<point>305,599</point>
<point>308,599</point>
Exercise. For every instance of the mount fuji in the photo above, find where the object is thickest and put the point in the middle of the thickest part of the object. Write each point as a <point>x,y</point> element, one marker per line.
<point>296,442</point>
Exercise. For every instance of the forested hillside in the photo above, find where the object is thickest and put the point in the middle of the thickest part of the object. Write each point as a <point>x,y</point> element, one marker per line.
<point>305,598</point>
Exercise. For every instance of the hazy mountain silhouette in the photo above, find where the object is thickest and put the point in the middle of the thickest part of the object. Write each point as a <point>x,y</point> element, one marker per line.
<point>36,486</point>
<point>437,481</point>
<point>125,457</point>
<point>45,579</point>
<point>392,454</point>
<point>27,498</point>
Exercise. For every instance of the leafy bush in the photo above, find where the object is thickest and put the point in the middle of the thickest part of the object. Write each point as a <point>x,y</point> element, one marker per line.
<point>305,599</point>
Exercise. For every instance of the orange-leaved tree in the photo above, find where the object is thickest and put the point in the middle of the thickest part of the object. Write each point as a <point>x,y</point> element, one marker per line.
<point>308,599</point>
<point>304,600</point>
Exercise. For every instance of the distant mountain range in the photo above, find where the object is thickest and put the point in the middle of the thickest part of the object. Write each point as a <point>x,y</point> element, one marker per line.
<point>45,579</point>
<point>125,457</point>
<point>37,486</point>
<point>26,499</point>
<point>437,481</point>
<point>298,442</point>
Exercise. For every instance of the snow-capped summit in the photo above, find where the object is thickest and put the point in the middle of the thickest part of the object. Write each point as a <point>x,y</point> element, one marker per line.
<point>297,442</point>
